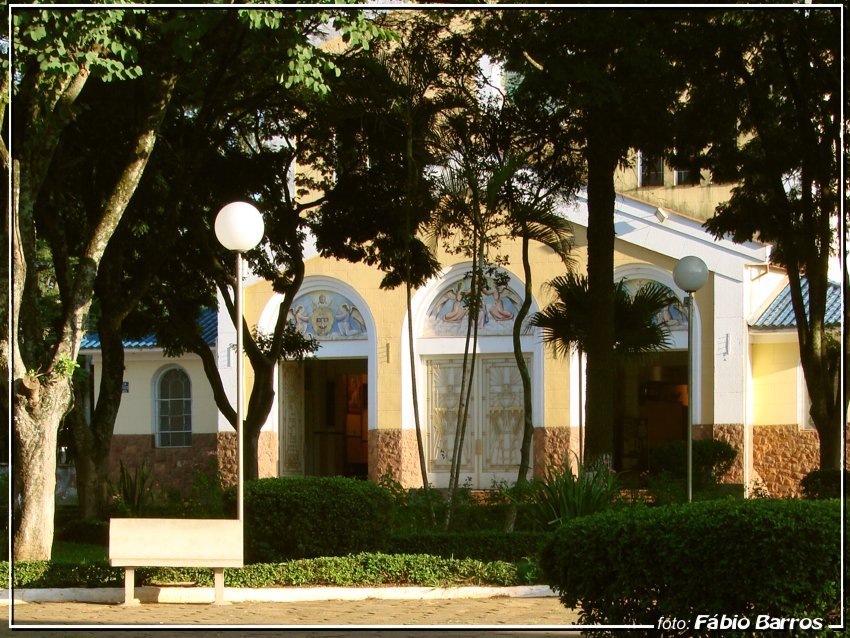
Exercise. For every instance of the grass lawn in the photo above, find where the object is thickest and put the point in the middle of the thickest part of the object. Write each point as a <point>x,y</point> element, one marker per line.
<point>78,553</point>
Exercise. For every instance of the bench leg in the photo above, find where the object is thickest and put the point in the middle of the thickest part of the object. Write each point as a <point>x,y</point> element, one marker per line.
<point>218,575</point>
<point>130,586</point>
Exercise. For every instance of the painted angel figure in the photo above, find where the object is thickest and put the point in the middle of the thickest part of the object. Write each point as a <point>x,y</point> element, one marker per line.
<point>352,319</point>
<point>497,309</point>
<point>452,303</point>
<point>299,318</point>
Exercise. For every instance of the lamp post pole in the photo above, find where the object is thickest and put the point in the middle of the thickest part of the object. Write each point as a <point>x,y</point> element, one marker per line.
<point>239,227</point>
<point>690,396</point>
<point>240,391</point>
<point>690,274</point>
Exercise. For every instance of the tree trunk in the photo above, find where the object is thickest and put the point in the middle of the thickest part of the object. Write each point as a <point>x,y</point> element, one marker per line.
<point>830,448</point>
<point>250,458</point>
<point>41,403</point>
<point>473,308</point>
<point>39,406</point>
<point>528,420</point>
<point>92,441</point>
<point>600,273</point>
<point>258,408</point>
<point>819,369</point>
<point>420,441</point>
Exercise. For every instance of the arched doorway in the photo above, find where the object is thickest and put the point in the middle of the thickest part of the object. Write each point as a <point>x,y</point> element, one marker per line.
<point>491,449</point>
<point>327,403</point>
<point>652,391</point>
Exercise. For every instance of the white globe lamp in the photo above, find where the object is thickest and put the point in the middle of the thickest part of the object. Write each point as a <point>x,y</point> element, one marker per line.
<point>239,226</point>
<point>690,273</point>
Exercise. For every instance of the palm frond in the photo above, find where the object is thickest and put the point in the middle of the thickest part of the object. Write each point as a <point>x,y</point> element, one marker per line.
<point>638,327</point>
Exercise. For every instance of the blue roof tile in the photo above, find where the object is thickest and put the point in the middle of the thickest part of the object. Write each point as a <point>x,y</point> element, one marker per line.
<point>207,324</point>
<point>780,313</point>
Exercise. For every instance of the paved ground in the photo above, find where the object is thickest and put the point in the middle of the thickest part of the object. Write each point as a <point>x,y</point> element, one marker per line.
<point>520,617</point>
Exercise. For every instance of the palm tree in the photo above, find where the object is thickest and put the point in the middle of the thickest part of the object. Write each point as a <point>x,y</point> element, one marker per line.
<point>538,223</point>
<point>637,330</point>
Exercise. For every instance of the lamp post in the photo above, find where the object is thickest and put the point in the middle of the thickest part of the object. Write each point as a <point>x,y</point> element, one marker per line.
<point>239,227</point>
<point>690,274</point>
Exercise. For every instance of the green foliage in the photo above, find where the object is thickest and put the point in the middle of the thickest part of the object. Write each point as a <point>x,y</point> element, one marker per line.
<point>64,42</point>
<point>206,498</point>
<point>487,545</point>
<point>636,565</point>
<point>821,484</point>
<point>65,366</point>
<point>134,491</point>
<point>296,346</point>
<point>711,458</point>
<point>306,517</point>
<point>354,570</point>
<point>665,489</point>
<point>562,496</point>
<point>566,321</point>
<point>412,510</point>
<point>378,569</point>
<point>47,574</point>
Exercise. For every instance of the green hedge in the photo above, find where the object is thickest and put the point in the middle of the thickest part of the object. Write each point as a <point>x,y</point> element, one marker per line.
<point>712,458</point>
<point>481,545</point>
<point>306,517</point>
<point>638,565</point>
<point>355,570</point>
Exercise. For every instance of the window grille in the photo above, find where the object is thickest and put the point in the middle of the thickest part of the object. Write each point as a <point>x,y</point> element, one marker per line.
<point>174,409</point>
<point>651,171</point>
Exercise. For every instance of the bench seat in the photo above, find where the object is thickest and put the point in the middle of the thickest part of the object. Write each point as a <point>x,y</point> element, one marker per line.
<point>168,542</point>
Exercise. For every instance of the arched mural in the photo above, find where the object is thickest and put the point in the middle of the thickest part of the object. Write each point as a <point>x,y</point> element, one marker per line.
<point>448,314</point>
<point>675,316</point>
<point>327,316</point>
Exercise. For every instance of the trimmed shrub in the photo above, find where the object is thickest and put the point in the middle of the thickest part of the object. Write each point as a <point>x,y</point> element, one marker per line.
<point>382,569</point>
<point>481,545</point>
<point>46,574</point>
<point>353,570</point>
<point>305,517</point>
<point>638,565</point>
<point>824,484</point>
<point>712,458</point>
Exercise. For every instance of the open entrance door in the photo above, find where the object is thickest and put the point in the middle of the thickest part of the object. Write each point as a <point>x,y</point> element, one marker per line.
<point>336,417</point>
<point>652,409</point>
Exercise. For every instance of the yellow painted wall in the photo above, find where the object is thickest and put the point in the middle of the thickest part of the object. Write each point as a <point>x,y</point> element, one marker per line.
<point>135,416</point>
<point>388,309</point>
<point>774,383</point>
<point>698,201</point>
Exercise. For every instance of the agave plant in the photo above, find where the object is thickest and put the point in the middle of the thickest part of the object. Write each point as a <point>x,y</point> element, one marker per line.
<point>563,495</point>
<point>134,489</point>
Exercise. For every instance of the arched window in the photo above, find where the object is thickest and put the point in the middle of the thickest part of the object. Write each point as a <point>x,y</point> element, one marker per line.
<point>173,408</point>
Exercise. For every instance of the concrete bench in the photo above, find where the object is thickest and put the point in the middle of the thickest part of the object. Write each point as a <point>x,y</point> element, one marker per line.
<point>166,542</point>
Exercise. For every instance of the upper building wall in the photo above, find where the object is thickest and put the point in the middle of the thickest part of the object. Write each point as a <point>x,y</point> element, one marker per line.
<point>697,200</point>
